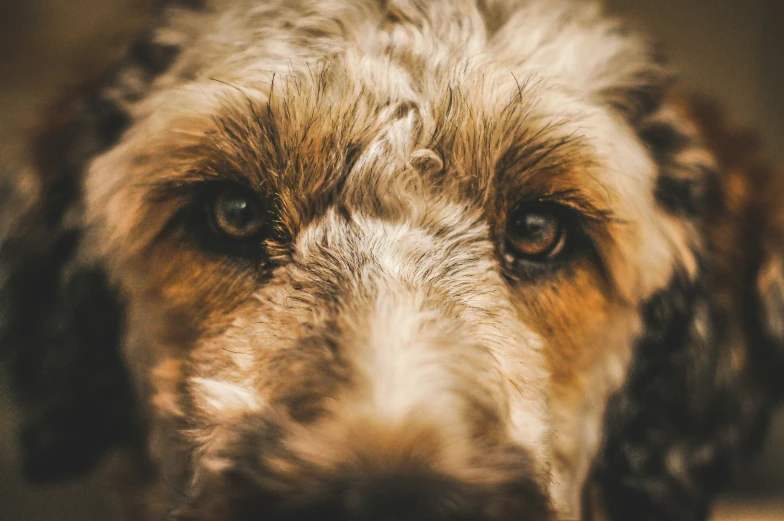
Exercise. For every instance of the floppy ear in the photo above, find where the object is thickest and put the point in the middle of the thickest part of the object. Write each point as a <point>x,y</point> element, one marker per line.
<point>755,192</point>
<point>705,371</point>
<point>60,320</point>
<point>61,323</point>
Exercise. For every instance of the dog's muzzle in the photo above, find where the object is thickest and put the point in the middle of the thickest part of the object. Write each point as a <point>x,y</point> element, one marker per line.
<point>390,498</point>
<point>275,484</point>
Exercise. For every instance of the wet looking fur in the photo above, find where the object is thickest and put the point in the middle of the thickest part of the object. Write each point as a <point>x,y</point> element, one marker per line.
<point>280,251</point>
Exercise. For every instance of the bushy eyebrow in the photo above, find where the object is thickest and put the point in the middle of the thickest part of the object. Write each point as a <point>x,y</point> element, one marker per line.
<point>579,202</point>
<point>297,160</point>
<point>541,151</point>
<point>239,145</point>
<point>549,165</point>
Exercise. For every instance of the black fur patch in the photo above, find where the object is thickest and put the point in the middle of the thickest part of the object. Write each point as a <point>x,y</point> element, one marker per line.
<point>679,196</point>
<point>58,340</point>
<point>679,425</point>
<point>59,343</point>
<point>78,392</point>
<point>680,186</point>
<point>60,323</point>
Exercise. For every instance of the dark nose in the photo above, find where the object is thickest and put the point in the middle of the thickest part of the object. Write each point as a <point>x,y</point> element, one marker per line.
<point>394,498</point>
<point>425,498</point>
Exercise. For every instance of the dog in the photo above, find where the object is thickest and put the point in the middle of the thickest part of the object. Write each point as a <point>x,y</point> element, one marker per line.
<point>353,260</point>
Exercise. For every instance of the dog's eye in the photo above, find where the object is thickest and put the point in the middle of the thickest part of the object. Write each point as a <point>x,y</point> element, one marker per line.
<point>227,219</point>
<point>535,233</point>
<point>238,215</point>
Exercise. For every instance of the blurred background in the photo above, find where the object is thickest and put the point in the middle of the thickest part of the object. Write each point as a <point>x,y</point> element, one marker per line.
<point>730,50</point>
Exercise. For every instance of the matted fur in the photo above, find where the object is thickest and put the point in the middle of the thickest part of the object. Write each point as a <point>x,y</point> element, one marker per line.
<point>385,343</point>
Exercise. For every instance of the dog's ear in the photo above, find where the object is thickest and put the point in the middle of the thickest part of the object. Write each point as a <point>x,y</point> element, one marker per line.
<point>705,373</point>
<point>60,321</point>
<point>753,196</point>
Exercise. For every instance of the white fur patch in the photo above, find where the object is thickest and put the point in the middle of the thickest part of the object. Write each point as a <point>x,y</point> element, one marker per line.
<point>221,399</point>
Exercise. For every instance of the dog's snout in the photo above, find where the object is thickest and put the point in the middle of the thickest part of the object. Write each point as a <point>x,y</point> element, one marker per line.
<point>368,484</point>
<point>420,498</point>
<point>398,498</point>
<point>390,498</point>
<point>352,469</point>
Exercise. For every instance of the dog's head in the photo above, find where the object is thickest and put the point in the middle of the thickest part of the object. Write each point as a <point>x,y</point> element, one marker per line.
<point>357,260</point>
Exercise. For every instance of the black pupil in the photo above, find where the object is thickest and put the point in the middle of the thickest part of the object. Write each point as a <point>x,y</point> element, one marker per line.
<point>535,227</point>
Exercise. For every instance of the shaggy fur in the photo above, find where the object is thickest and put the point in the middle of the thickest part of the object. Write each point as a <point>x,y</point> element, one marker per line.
<point>382,352</point>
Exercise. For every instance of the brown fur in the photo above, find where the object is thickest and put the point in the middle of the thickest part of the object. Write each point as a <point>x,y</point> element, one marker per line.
<point>383,330</point>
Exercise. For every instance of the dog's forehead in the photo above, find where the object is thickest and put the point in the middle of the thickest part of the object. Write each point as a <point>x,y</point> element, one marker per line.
<point>390,85</point>
<point>394,100</point>
<point>320,131</point>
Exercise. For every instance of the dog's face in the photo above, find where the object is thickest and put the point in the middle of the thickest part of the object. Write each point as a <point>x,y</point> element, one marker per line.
<point>390,260</point>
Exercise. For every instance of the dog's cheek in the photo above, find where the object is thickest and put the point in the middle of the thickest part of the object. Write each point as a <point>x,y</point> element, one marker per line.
<point>585,324</point>
<point>202,291</point>
<point>176,298</point>
<point>587,334</point>
<point>570,315</point>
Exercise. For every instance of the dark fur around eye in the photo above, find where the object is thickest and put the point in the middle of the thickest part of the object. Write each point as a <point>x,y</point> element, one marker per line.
<point>227,219</point>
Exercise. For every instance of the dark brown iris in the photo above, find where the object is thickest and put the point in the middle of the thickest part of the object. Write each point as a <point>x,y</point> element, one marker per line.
<point>238,215</point>
<point>535,234</point>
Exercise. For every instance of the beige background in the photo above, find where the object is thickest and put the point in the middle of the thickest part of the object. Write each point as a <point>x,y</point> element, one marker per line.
<point>732,50</point>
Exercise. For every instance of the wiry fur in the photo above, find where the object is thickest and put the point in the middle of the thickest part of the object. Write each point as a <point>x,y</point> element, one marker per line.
<point>386,336</point>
